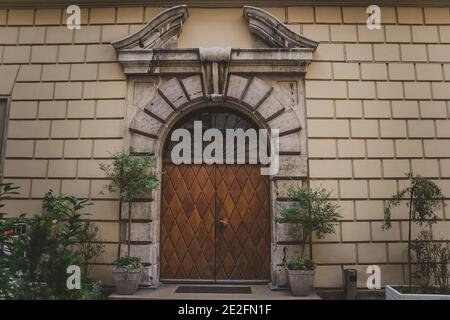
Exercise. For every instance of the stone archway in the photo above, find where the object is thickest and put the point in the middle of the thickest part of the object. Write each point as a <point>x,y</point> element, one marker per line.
<point>165,82</point>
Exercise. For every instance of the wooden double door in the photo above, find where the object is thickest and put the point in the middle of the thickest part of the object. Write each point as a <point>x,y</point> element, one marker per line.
<point>215,223</point>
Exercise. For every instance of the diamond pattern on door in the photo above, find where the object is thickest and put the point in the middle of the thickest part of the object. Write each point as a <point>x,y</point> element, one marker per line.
<point>188,222</point>
<point>215,223</point>
<point>243,239</point>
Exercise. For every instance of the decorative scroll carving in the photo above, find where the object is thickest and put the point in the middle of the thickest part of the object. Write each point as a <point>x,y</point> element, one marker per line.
<point>273,32</point>
<point>153,49</point>
<point>161,32</point>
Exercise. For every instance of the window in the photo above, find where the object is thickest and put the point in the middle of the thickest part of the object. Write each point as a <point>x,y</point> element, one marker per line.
<point>4,104</point>
<point>215,117</point>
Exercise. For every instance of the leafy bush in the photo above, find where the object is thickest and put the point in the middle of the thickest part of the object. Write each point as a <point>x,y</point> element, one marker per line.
<point>129,263</point>
<point>432,260</point>
<point>299,264</point>
<point>6,191</point>
<point>36,262</point>
<point>88,244</point>
<point>441,272</point>
<point>424,248</point>
<point>132,176</point>
<point>312,213</point>
<point>423,197</point>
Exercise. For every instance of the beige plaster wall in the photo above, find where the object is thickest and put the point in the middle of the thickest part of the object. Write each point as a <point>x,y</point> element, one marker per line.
<point>377,107</point>
<point>215,28</point>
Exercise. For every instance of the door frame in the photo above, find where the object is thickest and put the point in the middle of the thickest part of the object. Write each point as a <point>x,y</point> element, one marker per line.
<point>146,213</point>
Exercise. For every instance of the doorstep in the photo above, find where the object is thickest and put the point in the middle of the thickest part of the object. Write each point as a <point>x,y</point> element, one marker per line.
<point>167,292</point>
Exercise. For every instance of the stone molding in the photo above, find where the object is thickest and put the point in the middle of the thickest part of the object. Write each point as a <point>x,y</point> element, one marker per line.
<point>176,61</point>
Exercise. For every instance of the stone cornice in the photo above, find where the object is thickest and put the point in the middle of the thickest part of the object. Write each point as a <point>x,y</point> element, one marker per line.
<point>260,60</point>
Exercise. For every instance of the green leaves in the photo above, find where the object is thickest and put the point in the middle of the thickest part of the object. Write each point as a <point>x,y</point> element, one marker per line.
<point>38,260</point>
<point>67,209</point>
<point>6,191</point>
<point>310,211</point>
<point>424,196</point>
<point>131,175</point>
<point>432,260</point>
<point>299,264</point>
<point>129,263</point>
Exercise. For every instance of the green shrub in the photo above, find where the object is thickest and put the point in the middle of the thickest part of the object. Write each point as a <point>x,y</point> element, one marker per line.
<point>129,263</point>
<point>312,213</point>
<point>422,197</point>
<point>432,260</point>
<point>132,176</point>
<point>304,264</point>
<point>37,260</point>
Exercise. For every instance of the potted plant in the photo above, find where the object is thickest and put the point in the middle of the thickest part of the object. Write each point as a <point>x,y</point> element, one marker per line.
<point>423,198</point>
<point>313,213</point>
<point>127,274</point>
<point>132,176</point>
<point>300,273</point>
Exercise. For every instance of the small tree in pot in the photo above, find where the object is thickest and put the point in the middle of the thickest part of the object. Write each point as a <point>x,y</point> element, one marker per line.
<point>312,213</point>
<point>132,176</point>
<point>127,274</point>
<point>423,198</point>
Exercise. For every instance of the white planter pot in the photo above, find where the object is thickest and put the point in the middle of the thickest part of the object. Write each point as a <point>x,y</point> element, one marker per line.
<point>301,282</point>
<point>126,282</point>
<point>392,294</point>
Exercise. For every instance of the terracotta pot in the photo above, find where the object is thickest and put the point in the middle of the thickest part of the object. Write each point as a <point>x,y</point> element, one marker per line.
<point>301,282</point>
<point>126,282</point>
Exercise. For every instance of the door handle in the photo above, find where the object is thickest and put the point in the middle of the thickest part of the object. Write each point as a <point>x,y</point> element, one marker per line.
<point>224,222</point>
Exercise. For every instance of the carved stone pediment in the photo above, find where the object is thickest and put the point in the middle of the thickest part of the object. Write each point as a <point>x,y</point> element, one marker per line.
<point>273,32</point>
<point>160,32</point>
<point>153,49</point>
